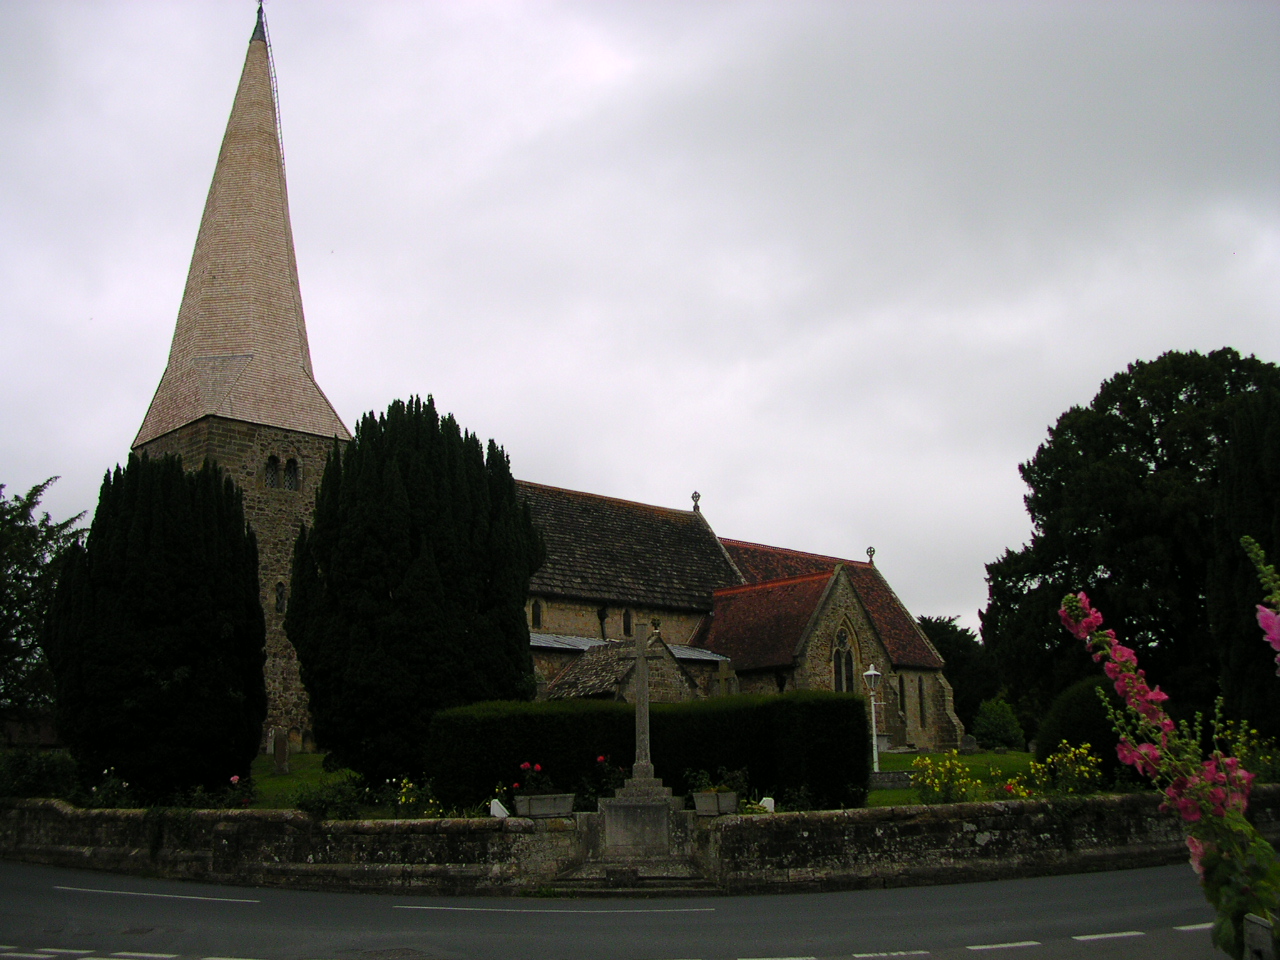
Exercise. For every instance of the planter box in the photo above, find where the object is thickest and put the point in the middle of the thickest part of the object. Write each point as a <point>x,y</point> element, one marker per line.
<point>545,805</point>
<point>711,804</point>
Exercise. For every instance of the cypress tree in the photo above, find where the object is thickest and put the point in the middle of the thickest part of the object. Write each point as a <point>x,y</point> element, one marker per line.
<point>156,636</point>
<point>409,588</point>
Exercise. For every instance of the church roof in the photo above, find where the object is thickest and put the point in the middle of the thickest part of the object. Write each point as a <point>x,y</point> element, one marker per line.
<point>760,625</point>
<point>606,550</point>
<point>600,670</point>
<point>902,638</point>
<point>240,345</point>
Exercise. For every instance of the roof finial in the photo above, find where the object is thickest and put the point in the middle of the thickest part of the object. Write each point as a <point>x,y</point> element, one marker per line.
<point>260,30</point>
<point>696,497</point>
<point>871,555</point>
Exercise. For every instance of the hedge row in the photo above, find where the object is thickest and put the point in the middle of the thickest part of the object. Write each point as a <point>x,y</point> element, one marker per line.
<point>810,742</point>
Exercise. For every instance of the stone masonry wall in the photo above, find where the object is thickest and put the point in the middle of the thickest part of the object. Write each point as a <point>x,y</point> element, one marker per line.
<point>828,850</point>
<point>580,618</point>
<point>275,513</point>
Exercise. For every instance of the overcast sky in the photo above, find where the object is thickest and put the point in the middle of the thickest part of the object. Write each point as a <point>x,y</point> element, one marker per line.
<point>837,266</point>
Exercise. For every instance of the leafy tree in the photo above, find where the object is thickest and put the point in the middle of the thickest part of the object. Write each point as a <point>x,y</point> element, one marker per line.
<point>996,726</point>
<point>31,550</point>
<point>1247,503</point>
<point>969,669</point>
<point>1122,503</point>
<point>156,635</point>
<point>409,589</point>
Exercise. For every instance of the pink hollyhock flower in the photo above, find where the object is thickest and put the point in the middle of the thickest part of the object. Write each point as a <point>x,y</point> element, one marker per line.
<point>1198,851</point>
<point>600,759</point>
<point>525,765</point>
<point>1269,621</point>
<point>515,786</point>
<point>235,780</point>
<point>537,768</point>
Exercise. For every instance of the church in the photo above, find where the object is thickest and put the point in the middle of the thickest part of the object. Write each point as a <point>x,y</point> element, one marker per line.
<point>239,389</point>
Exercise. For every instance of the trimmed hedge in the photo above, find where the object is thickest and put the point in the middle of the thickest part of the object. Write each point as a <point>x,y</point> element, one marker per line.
<point>814,740</point>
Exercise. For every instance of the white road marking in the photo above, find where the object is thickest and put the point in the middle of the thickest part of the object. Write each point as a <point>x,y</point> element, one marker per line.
<point>1004,946</point>
<point>1109,936</point>
<point>1195,926</point>
<point>74,953</point>
<point>27,956</point>
<point>148,956</point>
<point>895,953</point>
<point>414,906</point>
<point>777,958</point>
<point>162,896</point>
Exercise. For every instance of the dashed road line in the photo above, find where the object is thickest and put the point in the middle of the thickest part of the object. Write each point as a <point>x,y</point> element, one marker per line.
<point>1109,936</point>
<point>72,953</point>
<point>1004,946</point>
<point>536,910</point>
<point>148,956</point>
<point>27,956</point>
<point>161,896</point>
<point>894,953</point>
<point>1187,928</point>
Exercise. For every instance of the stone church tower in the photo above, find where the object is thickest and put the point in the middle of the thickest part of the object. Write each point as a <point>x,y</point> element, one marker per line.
<point>239,388</point>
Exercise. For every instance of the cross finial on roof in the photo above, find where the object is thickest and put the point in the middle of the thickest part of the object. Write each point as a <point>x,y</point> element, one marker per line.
<point>696,497</point>
<point>871,555</point>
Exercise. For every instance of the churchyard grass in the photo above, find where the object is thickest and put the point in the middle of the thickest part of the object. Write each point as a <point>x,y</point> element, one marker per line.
<point>981,765</point>
<point>276,791</point>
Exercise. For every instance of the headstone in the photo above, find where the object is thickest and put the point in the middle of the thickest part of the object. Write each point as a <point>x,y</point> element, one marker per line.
<point>767,803</point>
<point>496,809</point>
<point>968,743</point>
<point>280,749</point>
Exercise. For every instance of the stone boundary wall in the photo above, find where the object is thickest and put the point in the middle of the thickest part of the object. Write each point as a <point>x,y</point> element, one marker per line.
<point>829,850</point>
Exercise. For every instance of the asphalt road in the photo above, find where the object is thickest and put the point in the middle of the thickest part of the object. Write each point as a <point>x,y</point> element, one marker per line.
<point>48,913</point>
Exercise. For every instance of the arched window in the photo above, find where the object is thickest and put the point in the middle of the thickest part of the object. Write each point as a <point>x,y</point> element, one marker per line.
<point>535,615</point>
<point>291,475</point>
<point>837,667</point>
<point>626,622</point>
<point>902,695</point>
<point>920,690</point>
<point>280,598</point>
<point>850,678</point>
<point>271,478</point>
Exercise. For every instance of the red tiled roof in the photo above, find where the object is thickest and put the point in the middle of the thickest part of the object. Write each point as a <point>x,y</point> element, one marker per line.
<point>603,549</point>
<point>898,631</point>
<point>760,625</point>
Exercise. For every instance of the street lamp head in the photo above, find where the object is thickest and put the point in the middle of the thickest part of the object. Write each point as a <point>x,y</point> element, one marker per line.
<point>872,676</point>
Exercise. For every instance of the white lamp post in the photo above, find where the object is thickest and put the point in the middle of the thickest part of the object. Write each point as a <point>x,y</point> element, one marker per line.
<point>872,676</point>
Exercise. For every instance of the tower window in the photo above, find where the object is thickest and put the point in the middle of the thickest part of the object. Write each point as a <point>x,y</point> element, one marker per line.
<point>626,623</point>
<point>271,477</point>
<point>920,690</point>
<point>535,615</point>
<point>291,475</point>
<point>280,598</point>
<point>902,694</point>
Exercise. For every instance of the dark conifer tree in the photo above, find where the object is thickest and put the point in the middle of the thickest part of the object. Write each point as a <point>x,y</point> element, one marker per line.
<point>1122,499</point>
<point>409,589</point>
<point>1248,503</point>
<point>156,637</point>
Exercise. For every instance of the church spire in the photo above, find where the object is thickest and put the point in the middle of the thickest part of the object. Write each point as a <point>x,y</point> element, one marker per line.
<point>240,347</point>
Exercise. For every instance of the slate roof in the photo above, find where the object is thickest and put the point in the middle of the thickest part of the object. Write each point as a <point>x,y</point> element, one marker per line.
<point>761,624</point>
<point>607,550</point>
<point>902,638</point>
<point>598,671</point>
<point>240,346</point>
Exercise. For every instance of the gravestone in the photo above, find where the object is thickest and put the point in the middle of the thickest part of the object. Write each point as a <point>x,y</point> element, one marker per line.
<point>280,749</point>
<point>968,743</point>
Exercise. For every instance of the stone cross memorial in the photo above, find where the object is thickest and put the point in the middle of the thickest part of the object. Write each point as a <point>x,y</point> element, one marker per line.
<point>636,820</point>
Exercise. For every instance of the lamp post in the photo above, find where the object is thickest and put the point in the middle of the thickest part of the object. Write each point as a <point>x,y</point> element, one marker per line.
<point>872,676</point>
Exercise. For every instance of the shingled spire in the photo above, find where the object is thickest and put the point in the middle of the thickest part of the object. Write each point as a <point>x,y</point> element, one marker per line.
<point>240,347</point>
